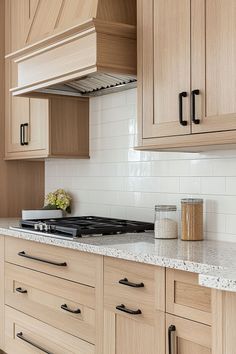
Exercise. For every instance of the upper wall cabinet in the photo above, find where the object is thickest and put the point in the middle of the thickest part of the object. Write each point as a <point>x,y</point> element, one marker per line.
<point>40,127</point>
<point>187,73</point>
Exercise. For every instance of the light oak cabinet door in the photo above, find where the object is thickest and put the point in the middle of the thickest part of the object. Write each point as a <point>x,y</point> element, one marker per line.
<point>53,127</point>
<point>28,335</point>
<point>27,126</point>
<point>213,64</point>
<point>126,335</point>
<point>185,337</point>
<point>186,46</point>
<point>134,303</point>
<point>165,53</point>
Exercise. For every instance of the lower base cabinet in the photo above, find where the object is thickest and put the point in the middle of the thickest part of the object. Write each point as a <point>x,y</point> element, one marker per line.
<point>26,335</point>
<point>125,335</point>
<point>187,337</point>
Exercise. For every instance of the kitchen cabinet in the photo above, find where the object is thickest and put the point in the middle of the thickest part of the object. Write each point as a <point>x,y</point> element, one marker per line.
<point>53,299</point>
<point>39,127</point>
<point>185,337</point>
<point>134,304</point>
<point>27,335</point>
<point>186,71</point>
<point>186,298</point>
<point>21,183</point>
<point>52,127</point>
<point>125,335</point>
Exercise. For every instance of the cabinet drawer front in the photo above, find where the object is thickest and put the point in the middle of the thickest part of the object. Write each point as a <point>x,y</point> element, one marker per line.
<point>185,298</point>
<point>80,266</point>
<point>41,296</point>
<point>188,336</point>
<point>20,328</point>
<point>141,288</point>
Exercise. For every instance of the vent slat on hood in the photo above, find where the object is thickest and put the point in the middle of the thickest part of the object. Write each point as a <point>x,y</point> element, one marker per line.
<point>99,81</point>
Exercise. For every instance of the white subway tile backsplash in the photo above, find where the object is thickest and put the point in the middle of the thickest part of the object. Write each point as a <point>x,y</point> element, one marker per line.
<point>213,185</point>
<point>190,185</point>
<point>121,182</point>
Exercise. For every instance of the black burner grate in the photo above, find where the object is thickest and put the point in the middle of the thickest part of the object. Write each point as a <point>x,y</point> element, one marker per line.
<point>88,225</point>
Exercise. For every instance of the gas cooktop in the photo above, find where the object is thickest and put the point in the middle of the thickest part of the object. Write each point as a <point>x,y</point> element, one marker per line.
<point>73,227</point>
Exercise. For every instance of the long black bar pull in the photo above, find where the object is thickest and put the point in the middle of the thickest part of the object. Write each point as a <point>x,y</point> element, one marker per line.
<point>59,264</point>
<point>181,120</point>
<point>21,134</point>
<point>171,329</point>
<point>194,119</point>
<point>21,336</point>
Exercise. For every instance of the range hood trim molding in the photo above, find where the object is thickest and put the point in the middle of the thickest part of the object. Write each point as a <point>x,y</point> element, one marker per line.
<point>90,26</point>
<point>91,48</point>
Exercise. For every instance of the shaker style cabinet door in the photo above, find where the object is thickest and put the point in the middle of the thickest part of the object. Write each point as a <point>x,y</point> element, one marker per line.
<point>164,65</point>
<point>123,334</point>
<point>26,122</point>
<point>213,47</point>
<point>187,337</point>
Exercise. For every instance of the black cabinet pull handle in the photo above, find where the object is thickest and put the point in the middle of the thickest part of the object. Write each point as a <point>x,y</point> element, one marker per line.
<point>23,254</point>
<point>21,336</point>
<point>181,120</point>
<point>24,133</point>
<point>194,119</point>
<point>66,308</point>
<point>125,309</point>
<point>171,329</point>
<point>128,283</point>
<point>21,134</point>
<point>22,291</point>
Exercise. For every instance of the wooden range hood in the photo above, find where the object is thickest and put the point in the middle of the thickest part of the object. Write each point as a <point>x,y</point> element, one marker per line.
<point>94,56</point>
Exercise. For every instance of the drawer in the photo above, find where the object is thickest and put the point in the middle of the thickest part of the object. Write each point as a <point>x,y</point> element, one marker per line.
<point>185,298</point>
<point>135,285</point>
<point>41,296</point>
<point>27,335</point>
<point>61,262</point>
<point>187,337</point>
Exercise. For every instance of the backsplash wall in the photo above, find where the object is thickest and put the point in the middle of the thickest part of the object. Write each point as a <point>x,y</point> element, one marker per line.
<point>120,182</point>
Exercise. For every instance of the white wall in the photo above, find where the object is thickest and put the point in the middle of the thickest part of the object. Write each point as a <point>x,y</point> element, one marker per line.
<point>120,182</point>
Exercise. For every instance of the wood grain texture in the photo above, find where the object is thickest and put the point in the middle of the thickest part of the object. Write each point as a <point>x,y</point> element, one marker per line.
<point>48,337</point>
<point>84,274</point>
<point>143,298</point>
<point>189,337</point>
<point>168,70</point>
<point>129,334</point>
<point>99,305</point>
<point>185,298</point>
<point>69,127</point>
<point>123,335</point>
<point>224,341</point>
<point>22,184</point>
<point>207,30</point>
<point>213,57</point>
<point>192,142</point>
<point>35,20</point>
<point>44,297</point>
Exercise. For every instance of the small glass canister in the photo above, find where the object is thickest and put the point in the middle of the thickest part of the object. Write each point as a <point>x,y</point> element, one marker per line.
<point>166,226</point>
<point>192,219</point>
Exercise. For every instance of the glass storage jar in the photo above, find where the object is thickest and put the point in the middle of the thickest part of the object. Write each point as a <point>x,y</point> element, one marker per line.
<point>192,219</point>
<point>166,226</point>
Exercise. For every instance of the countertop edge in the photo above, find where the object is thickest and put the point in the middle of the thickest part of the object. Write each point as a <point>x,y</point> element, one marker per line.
<point>206,274</point>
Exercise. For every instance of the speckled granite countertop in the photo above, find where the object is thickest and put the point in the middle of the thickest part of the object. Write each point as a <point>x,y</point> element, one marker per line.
<point>214,261</point>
